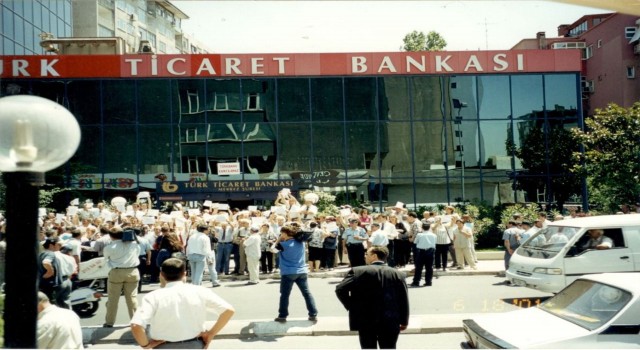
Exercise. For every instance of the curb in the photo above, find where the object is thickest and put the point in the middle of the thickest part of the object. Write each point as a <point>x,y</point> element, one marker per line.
<point>327,326</point>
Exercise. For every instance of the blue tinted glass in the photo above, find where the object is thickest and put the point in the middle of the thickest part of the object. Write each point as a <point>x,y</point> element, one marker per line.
<point>18,7</point>
<point>561,91</point>
<point>45,20</point>
<point>462,94</point>
<point>67,11</point>
<point>37,15</point>
<point>526,92</point>
<point>28,10</point>
<point>494,100</point>
<point>36,40</point>
<point>7,23</point>
<point>53,21</point>
<point>28,36</point>
<point>19,30</point>
<point>8,46</point>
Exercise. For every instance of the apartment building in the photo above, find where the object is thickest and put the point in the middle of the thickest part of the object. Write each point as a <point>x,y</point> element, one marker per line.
<point>610,44</point>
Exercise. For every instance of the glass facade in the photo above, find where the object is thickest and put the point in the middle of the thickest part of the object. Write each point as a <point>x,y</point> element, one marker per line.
<point>414,139</point>
<point>24,20</point>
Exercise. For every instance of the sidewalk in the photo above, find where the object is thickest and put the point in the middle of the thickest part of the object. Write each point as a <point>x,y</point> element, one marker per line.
<point>325,326</point>
<point>334,326</point>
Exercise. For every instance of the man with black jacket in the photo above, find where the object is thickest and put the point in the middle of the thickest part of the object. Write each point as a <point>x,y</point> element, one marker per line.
<point>377,299</point>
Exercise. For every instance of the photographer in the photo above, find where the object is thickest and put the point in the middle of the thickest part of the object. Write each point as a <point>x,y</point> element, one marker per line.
<point>122,257</point>
<point>293,269</point>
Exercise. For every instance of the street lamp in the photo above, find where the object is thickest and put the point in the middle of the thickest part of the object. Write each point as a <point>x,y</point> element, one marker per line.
<point>459,105</point>
<point>36,135</point>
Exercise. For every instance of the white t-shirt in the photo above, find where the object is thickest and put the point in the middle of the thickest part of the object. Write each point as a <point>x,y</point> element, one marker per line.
<point>68,264</point>
<point>59,329</point>
<point>199,243</point>
<point>178,311</point>
<point>252,245</point>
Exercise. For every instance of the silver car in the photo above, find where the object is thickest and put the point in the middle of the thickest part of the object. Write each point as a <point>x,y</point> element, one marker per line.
<point>597,311</point>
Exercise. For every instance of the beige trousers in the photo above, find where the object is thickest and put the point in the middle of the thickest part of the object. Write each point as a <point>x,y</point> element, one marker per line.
<point>464,254</point>
<point>122,280</point>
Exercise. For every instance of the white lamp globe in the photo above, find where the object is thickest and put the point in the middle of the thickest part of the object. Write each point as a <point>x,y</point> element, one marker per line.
<point>36,134</point>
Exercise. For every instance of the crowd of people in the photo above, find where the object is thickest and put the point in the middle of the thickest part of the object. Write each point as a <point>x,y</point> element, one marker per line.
<point>292,238</point>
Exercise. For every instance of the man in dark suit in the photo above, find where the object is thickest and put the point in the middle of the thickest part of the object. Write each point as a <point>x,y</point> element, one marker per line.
<point>377,299</point>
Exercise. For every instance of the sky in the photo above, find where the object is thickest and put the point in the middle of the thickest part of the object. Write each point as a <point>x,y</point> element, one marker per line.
<point>369,26</point>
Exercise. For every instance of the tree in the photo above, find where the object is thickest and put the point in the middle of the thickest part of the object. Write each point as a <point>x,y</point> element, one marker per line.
<point>611,158</point>
<point>435,42</point>
<point>551,156</point>
<point>418,41</point>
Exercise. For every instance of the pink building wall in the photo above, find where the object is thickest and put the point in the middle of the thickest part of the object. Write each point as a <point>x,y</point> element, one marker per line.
<point>607,68</point>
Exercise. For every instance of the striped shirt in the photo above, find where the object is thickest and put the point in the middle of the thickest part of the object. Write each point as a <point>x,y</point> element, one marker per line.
<point>441,235</point>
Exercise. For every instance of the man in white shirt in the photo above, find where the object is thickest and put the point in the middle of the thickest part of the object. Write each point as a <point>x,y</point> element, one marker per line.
<point>597,240</point>
<point>122,258</point>
<point>58,328</point>
<point>198,249</point>
<point>392,234</point>
<point>378,237</point>
<point>56,268</point>
<point>252,249</point>
<point>187,303</point>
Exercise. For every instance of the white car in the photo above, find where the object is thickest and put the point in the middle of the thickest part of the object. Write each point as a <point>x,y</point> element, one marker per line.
<point>597,311</point>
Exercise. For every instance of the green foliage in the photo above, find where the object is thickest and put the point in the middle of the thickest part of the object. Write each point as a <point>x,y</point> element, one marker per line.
<point>46,196</point>
<point>341,197</point>
<point>414,41</point>
<point>326,203</point>
<point>435,42</point>
<point>542,154</point>
<point>419,41</point>
<point>611,158</point>
<point>529,212</point>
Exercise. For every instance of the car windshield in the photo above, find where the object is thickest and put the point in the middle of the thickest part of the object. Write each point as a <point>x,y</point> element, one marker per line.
<point>548,242</point>
<point>586,303</point>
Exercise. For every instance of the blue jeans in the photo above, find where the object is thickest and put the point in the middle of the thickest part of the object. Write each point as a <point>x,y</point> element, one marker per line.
<point>196,261</point>
<point>286,284</point>
<point>211,265</point>
<point>222,257</point>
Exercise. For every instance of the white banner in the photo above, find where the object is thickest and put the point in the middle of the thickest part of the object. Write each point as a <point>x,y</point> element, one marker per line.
<point>229,168</point>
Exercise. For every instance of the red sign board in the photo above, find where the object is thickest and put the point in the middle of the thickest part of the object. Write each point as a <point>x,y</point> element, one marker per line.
<point>274,65</point>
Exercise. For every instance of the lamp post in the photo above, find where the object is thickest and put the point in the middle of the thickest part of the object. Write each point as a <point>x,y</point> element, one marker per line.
<point>459,105</point>
<point>36,135</point>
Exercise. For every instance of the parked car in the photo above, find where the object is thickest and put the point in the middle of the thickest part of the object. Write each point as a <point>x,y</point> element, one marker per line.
<point>555,256</point>
<point>597,311</point>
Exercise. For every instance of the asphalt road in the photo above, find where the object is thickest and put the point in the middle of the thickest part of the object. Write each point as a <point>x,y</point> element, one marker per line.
<point>448,295</point>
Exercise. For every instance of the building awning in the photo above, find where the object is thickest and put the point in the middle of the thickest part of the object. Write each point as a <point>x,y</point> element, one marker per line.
<point>335,189</point>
